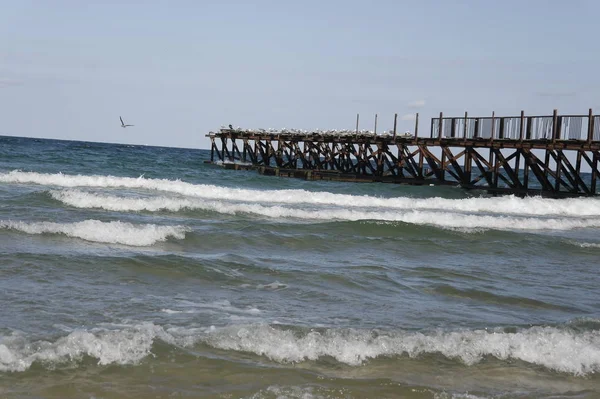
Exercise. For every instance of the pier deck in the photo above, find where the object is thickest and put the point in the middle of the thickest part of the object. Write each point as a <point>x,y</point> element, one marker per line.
<point>553,156</point>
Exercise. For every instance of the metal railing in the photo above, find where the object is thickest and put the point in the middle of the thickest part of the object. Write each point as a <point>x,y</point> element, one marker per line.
<point>553,127</point>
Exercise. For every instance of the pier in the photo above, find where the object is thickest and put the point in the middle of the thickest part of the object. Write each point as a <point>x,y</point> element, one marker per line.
<point>552,155</point>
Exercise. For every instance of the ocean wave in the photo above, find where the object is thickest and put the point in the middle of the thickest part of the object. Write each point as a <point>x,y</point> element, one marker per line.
<point>115,232</point>
<point>126,346</point>
<point>320,392</point>
<point>221,306</point>
<point>510,205</point>
<point>588,244</point>
<point>448,220</point>
<point>490,297</point>
<point>559,349</point>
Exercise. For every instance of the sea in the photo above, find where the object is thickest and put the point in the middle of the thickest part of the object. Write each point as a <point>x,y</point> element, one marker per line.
<point>143,272</point>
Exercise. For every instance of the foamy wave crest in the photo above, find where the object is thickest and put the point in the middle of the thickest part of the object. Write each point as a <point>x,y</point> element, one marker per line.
<point>564,350</point>
<point>80,199</point>
<point>501,205</point>
<point>446,220</point>
<point>588,244</point>
<point>312,392</point>
<point>290,392</point>
<point>115,232</point>
<point>560,350</point>
<point>126,346</point>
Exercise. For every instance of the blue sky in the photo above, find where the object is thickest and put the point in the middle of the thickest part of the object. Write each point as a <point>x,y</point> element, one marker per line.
<point>178,69</point>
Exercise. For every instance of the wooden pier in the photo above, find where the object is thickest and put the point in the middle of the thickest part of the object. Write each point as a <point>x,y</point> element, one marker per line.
<point>553,156</point>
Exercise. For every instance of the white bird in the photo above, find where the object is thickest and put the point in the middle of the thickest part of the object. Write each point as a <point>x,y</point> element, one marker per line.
<point>122,123</point>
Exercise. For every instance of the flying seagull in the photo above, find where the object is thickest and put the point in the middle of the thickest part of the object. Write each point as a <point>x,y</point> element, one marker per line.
<point>122,123</point>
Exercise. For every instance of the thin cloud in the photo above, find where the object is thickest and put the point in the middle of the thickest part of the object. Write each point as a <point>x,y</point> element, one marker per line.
<point>417,104</point>
<point>409,117</point>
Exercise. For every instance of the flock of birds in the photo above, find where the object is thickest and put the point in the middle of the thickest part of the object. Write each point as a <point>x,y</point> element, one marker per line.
<point>294,132</point>
<point>320,132</point>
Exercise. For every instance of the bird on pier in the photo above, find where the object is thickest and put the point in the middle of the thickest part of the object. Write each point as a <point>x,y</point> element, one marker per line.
<point>123,123</point>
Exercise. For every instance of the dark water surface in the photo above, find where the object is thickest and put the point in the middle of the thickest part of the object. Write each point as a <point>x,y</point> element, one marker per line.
<point>141,272</point>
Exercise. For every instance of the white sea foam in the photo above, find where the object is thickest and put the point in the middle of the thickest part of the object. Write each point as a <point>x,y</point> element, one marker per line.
<point>443,219</point>
<point>236,162</point>
<point>291,392</point>
<point>444,395</point>
<point>311,392</point>
<point>114,232</point>
<point>126,346</point>
<point>588,244</point>
<point>561,350</point>
<point>171,311</point>
<point>556,349</point>
<point>502,205</point>
<point>275,285</point>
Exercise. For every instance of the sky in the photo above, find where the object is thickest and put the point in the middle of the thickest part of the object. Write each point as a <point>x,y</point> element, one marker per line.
<point>180,69</point>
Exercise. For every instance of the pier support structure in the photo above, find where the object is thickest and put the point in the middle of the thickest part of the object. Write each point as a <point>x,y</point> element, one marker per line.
<point>554,156</point>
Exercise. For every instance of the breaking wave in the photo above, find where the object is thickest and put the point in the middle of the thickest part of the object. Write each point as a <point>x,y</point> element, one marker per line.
<point>559,349</point>
<point>126,346</point>
<point>510,205</point>
<point>443,219</point>
<point>312,392</point>
<point>115,232</point>
<point>556,349</point>
<point>588,244</point>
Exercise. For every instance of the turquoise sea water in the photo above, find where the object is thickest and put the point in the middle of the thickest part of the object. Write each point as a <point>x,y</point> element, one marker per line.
<point>141,272</point>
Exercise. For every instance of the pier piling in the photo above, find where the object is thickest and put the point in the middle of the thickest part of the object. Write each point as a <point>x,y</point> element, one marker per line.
<point>553,156</point>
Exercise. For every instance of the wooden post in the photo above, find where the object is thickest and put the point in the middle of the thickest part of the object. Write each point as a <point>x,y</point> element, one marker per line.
<point>493,126</point>
<point>465,127</point>
<point>440,125</point>
<point>590,135</point>
<point>278,154</point>
<point>554,127</point>
<point>522,125</point>
<point>467,165</point>
<point>525,171</point>
<point>244,152</point>
<point>496,167</point>
<point>453,128</point>
<point>517,163</point>
<point>557,172</point>
<point>357,117</point>
<point>594,172</point>
<point>375,124</point>
<point>268,152</point>
<point>431,129</point>
<point>578,163</point>
<point>416,124</point>
<point>442,172</point>
<point>395,122</point>
<point>224,144</point>
<point>547,163</point>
